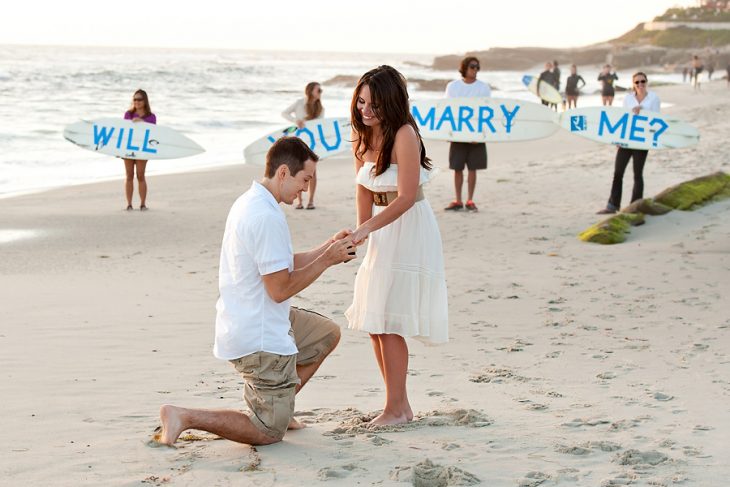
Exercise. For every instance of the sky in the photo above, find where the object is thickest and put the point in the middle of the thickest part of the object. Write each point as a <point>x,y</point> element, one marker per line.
<point>395,26</point>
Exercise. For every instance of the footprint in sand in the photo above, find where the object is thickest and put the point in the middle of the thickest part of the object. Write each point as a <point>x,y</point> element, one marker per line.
<point>636,457</point>
<point>428,474</point>
<point>533,479</point>
<point>333,473</point>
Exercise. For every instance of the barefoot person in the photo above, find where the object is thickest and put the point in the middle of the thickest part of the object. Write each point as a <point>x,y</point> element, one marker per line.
<point>307,108</point>
<point>607,78</point>
<point>639,99</point>
<point>472,155</point>
<point>400,289</point>
<point>140,111</point>
<point>572,90</point>
<point>276,348</point>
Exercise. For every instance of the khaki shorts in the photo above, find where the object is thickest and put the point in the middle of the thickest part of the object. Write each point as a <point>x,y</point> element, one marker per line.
<point>271,379</point>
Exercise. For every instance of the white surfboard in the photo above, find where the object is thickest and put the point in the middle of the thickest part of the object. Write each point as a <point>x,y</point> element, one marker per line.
<point>547,91</point>
<point>325,136</point>
<point>130,140</point>
<point>621,127</point>
<point>482,119</point>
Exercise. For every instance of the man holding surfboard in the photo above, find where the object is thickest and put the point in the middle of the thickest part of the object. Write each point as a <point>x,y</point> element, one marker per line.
<point>276,348</point>
<point>473,155</point>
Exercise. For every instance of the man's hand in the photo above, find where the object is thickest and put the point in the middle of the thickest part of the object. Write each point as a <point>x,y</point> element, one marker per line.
<point>339,251</point>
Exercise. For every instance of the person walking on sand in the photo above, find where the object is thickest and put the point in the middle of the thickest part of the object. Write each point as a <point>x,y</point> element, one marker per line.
<point>140,111</point>
<point>307,108</point>
<point>472,155</point>
<point>572,90</point>
<point>607,78</point>
<point>697,68</point>
<point>275,347</point>
<point>400,287</point>
<point>556,77</point>
<point>639,99</point>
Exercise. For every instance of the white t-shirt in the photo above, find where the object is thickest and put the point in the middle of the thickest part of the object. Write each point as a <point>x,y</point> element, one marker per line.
<point>651,102</point>
<point>299,111</point>
<point>459,89</point>
<point>256,242</point>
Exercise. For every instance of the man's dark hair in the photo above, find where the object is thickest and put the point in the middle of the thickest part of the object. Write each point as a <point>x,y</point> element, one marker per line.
<point>465,64</point>
<point>291,151</point>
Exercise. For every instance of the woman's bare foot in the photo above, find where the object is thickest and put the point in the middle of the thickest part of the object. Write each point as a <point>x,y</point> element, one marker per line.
<point>386,418</point>
<point>294,424</point>
<point>172,424</point>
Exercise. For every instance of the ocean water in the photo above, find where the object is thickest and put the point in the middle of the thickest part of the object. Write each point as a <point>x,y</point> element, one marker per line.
<point>222,99</point>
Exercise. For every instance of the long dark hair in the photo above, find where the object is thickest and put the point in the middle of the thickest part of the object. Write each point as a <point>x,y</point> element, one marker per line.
<point>313,107</point>
<point>389,97</point>
<point>147,109</point>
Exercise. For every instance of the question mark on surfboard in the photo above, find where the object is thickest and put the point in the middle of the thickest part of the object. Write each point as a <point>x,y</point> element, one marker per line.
<point>657,133</point>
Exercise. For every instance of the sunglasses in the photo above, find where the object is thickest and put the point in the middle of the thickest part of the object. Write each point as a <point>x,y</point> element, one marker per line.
<point>640,82</point>
<point>138,99</point>
<point>474,66</point>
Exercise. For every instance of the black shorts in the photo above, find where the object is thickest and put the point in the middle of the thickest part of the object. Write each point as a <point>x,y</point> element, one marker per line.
<point>473,156</point>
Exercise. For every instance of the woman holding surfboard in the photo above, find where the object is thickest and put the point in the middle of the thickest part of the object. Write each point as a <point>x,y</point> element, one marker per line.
<point>140,111</point>
<point>307,108</point>
<point>639,99</point>
<point>400,288</point>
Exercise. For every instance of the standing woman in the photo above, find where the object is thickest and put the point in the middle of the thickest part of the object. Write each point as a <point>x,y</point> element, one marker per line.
<point>607,91</point>
<point>400,288</point>
<point>572,90</point>
<point>307,108</point>
<point>640,99</point>
<point>140,111</point>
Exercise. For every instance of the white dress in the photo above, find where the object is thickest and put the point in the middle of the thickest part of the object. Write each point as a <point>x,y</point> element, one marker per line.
<point>400,287</point>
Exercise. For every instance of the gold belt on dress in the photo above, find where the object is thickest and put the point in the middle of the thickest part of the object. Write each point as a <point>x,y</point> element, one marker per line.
<point>386,198</point>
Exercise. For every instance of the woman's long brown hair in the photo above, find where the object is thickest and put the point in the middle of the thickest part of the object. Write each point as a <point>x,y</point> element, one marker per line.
<point>390,104</point>
<point>313,107</point>
<point>147,109</point>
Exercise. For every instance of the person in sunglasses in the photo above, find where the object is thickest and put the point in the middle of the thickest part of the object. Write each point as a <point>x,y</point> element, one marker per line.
<point>638,99</point>
<point>473,155</point>
<point>307,108</point>
<point>140,111</point>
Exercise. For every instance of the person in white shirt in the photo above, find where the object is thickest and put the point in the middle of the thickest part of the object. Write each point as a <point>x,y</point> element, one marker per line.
<point>473,155</point>
<point>640,99</point>
<point>275,348</point>
<point>304,109</point>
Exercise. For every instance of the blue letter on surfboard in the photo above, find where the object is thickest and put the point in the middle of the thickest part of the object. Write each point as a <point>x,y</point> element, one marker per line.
<point>622,123</point>
<point>323,140</point>
<point>102,136</point>
<point>145,144</point>
<point>428,121</point>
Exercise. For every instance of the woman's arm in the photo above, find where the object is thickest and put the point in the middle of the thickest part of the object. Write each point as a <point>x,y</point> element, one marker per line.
<point>407,154</point>
<point>363,197</point>
<point>290,112</point>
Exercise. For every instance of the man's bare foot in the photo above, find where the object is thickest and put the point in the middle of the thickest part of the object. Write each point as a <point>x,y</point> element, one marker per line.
<point>294,424</point>
<point>387,418</point>
<point>172,424</point>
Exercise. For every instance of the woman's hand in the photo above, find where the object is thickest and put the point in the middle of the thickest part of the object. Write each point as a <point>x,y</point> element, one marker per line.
<point>360,234</point>
<point>300,123</point>
<point>345,232</point>
<point>636,109</point>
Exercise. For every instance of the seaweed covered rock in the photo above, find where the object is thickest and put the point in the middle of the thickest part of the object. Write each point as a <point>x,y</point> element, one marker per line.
<point>647,206</point>
<point>693,194</point>
<point>612,230</point>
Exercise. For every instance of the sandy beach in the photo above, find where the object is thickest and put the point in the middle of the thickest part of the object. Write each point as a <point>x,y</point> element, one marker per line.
<point>569,363</point>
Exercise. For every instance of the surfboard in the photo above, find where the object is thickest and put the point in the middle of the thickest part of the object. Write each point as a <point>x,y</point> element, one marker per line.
<point>482,119</point>
<point>621,127</point>
<point>325,136</point>
<point>130,140</point>
<point>547,91</point>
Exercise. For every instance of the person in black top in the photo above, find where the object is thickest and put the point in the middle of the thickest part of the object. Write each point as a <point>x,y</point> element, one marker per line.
<point>556,75</point>
<point>607,78</point>
<point>548,76</point>
<point>572,90</point>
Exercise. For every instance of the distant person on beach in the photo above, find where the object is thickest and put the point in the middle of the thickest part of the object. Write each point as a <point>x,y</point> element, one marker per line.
<point>472,155</point>
<point>275,347</point>
<point>572,90</point>
<point>548,76</point>
<point>556,76</point>
<point>307,108</point>
<point>140,111</point>
<point>400,288</point>
<point>639,99</point>
<point>697,68</point>
<point>685,71</point>
<point>607,77</point>
<point>710,70</point>
<point>727,74</point>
